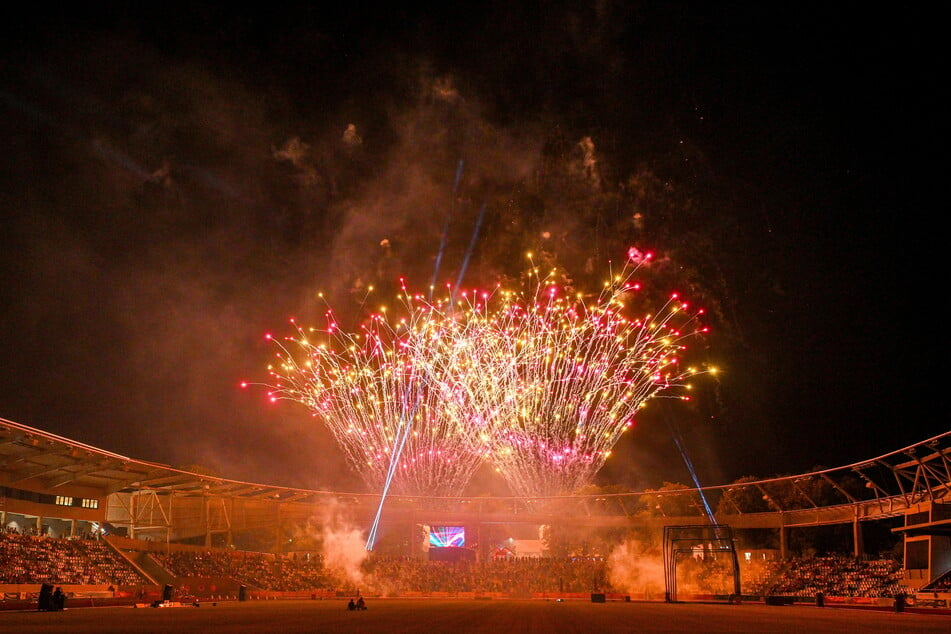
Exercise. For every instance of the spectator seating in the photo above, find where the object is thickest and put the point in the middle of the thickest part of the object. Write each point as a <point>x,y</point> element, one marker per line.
<point>59,561</point>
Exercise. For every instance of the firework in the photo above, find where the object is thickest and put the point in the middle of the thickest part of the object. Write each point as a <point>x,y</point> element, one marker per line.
<point>540,382</point>
<point>549,382</point>
<point>384,411</point>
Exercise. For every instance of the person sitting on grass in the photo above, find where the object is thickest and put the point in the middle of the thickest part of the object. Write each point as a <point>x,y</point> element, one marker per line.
<point>59,599</point>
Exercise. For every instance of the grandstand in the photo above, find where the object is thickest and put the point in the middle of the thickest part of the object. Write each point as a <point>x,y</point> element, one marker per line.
<point>110,527</point>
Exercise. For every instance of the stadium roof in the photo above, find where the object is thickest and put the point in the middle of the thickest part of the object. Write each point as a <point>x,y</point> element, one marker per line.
<point>27,453</point>
<point>911,474</point>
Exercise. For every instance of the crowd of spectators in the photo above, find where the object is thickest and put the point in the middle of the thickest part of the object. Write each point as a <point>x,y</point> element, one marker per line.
<point>759,575</point>
<point>834,575</point>
<point>839,575</point>
<point>519,575</point>
<point>260,570</point>
<point>61,561</point>
<point>387,574</point>
<point>706,575</point>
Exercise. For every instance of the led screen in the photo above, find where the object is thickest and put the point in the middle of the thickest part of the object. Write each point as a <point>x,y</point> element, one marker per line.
<point>443,536</point>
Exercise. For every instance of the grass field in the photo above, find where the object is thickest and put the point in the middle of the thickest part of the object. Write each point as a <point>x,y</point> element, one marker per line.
<point>433,616</point>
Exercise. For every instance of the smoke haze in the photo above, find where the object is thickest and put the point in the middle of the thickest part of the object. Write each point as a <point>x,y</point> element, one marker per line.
<point>175,188</point>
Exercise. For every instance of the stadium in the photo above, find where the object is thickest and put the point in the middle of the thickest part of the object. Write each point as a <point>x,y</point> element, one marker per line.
<point>110,530</point>
<point>465,448</point>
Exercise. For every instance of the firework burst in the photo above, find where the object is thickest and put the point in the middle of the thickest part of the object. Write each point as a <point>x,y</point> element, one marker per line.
<point>381,407</point>
<point>549,382</point>
<point>542,383</point>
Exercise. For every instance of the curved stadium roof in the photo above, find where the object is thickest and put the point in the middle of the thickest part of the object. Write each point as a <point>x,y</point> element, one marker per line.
<point>914,473</point>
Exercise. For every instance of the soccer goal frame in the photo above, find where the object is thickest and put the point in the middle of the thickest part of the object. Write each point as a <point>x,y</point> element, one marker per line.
<point>713,540</point>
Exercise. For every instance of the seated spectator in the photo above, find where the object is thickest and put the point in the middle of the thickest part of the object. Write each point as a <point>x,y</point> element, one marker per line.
<point>59,599</point>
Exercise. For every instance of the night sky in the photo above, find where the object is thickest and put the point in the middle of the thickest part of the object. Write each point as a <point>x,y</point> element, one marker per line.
<point>175,184</point>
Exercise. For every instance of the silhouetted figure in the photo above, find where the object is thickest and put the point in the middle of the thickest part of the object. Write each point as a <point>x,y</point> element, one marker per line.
<point>361,604</point>
<point>59,599</point>
<point>351,605</point>
<point>46,598</point>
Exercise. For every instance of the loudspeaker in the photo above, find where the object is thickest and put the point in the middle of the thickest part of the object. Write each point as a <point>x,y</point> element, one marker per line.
<point>167,592</point>
<point>597,597</point>
<point>45,602</point>
<point>899,602</point>
<point>243,593</point>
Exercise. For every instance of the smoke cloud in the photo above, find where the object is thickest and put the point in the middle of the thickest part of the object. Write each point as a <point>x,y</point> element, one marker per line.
<point>637,569</point>
<point>341,544</point>
<point>195,202</point>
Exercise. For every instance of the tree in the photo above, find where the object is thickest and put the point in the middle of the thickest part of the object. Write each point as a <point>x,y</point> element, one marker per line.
<point>672,500</point>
